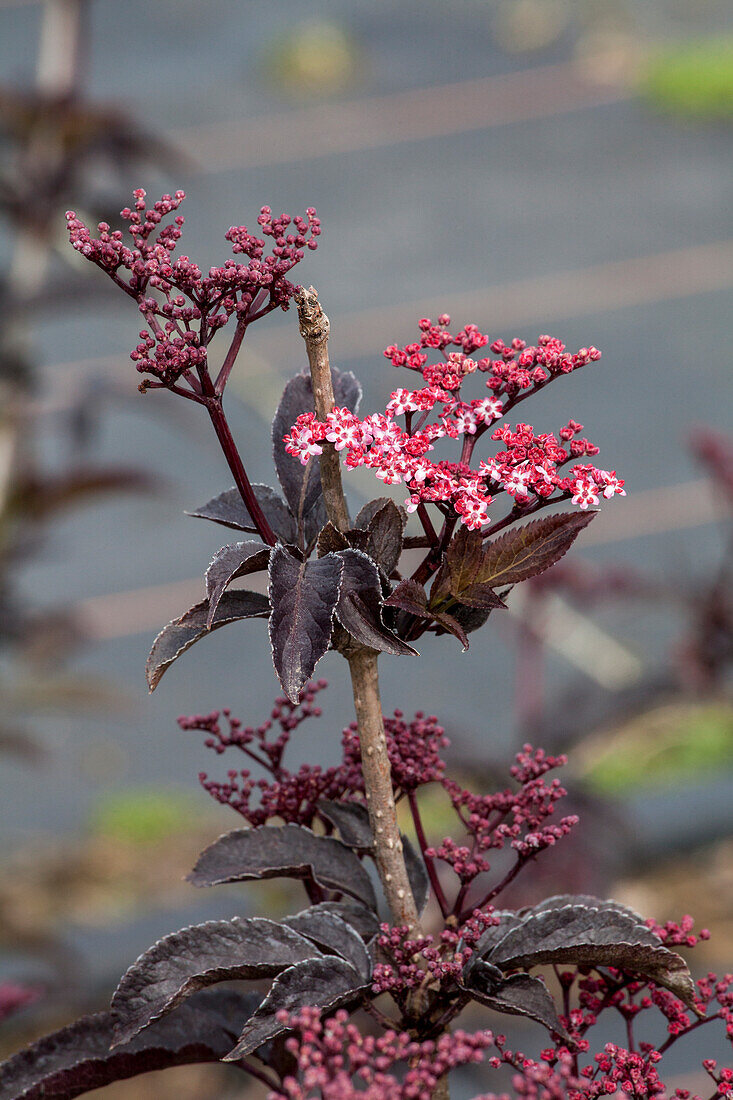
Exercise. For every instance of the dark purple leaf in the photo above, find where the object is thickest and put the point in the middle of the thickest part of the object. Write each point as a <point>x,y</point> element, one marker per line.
<point>303,595</point>
<point>450,624</point>
<point>334,936</point>
<point>482,597</point>
<point>385,530</point>
<point>416,873</point>
<point>230,510</point>
<point>236,560</point>
<point>411,597</point>
<point>526,551</point>
<point>467,576</point>
<point>180,634</point>
<point>369,511</point>
<point>318,983</point>
<point>352,821</point>
<point>302,484</point>
<point>77,1059</point>
<point>362,920</point>
<point>292,851</point>
<point>494,935</point>
<point>359,609</point>
<point>560,900</point>
<point>358,539</point>
<point>314,520</point>
<point>584,935</point>
<point>521,995</point>
<point>203,954</point>
<point>469,619</point>
<point>482,977</point>
<point>330,540</point>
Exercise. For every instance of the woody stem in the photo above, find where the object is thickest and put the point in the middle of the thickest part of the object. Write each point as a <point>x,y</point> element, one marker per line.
<point>388,854</point>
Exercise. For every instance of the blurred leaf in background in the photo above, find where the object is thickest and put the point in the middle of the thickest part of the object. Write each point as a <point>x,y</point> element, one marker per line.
<point>691,79</point>
<point>144,815</point>
<point>317,58</point>
<point>666,746</point>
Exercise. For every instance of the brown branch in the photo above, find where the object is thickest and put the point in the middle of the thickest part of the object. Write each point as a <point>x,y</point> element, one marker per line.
<point>314,328</point>
<point>378,785</point>
<point>388,854</point>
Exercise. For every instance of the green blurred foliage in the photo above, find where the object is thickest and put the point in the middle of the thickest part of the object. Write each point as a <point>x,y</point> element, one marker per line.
<point>142,815</point>
<point>315,58</point>
<point>691,79</point>
<point>691,745</point>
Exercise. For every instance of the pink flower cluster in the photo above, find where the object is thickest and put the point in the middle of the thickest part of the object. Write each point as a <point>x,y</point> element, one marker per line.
<point>413,747</point>
<point>337,1062</point>
<point>414,750</point>
<point>514,817</point>
<point>444,956</point>
<point>15,997</point>
<point>182,307</point>
<point>527,467</point>
<point>289,796</point>
<point>335,1057</point>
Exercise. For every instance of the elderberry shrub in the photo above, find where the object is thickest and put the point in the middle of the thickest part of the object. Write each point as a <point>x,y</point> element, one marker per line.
<point>358,1005</point>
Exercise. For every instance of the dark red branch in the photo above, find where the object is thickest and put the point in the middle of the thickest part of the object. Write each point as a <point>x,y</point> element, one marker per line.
<point>229,447</point>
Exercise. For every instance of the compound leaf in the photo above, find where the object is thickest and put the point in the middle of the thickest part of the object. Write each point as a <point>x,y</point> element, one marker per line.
<point>318,983</point>
<point>180,634</point>
<point>77,1058</point>
<point>303,595</point>
<point>291,851</point>
<point>201,955</point>
<point>235,560</point>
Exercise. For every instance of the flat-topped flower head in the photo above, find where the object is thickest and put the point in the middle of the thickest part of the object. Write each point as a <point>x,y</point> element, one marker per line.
<point>526,468</point>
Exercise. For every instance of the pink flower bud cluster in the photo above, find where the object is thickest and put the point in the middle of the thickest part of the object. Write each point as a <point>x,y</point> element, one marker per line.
<point>337,1062</point>
<point>182,307</point>
<point>444,957</point>
<point>517,818</point>
<point>527,466</point>
<point>413,747</point>
<point>289,796</point>
<point>15,997</point>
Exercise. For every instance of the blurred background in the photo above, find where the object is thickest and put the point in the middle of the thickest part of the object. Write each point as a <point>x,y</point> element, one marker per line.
<point>530,166</point>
